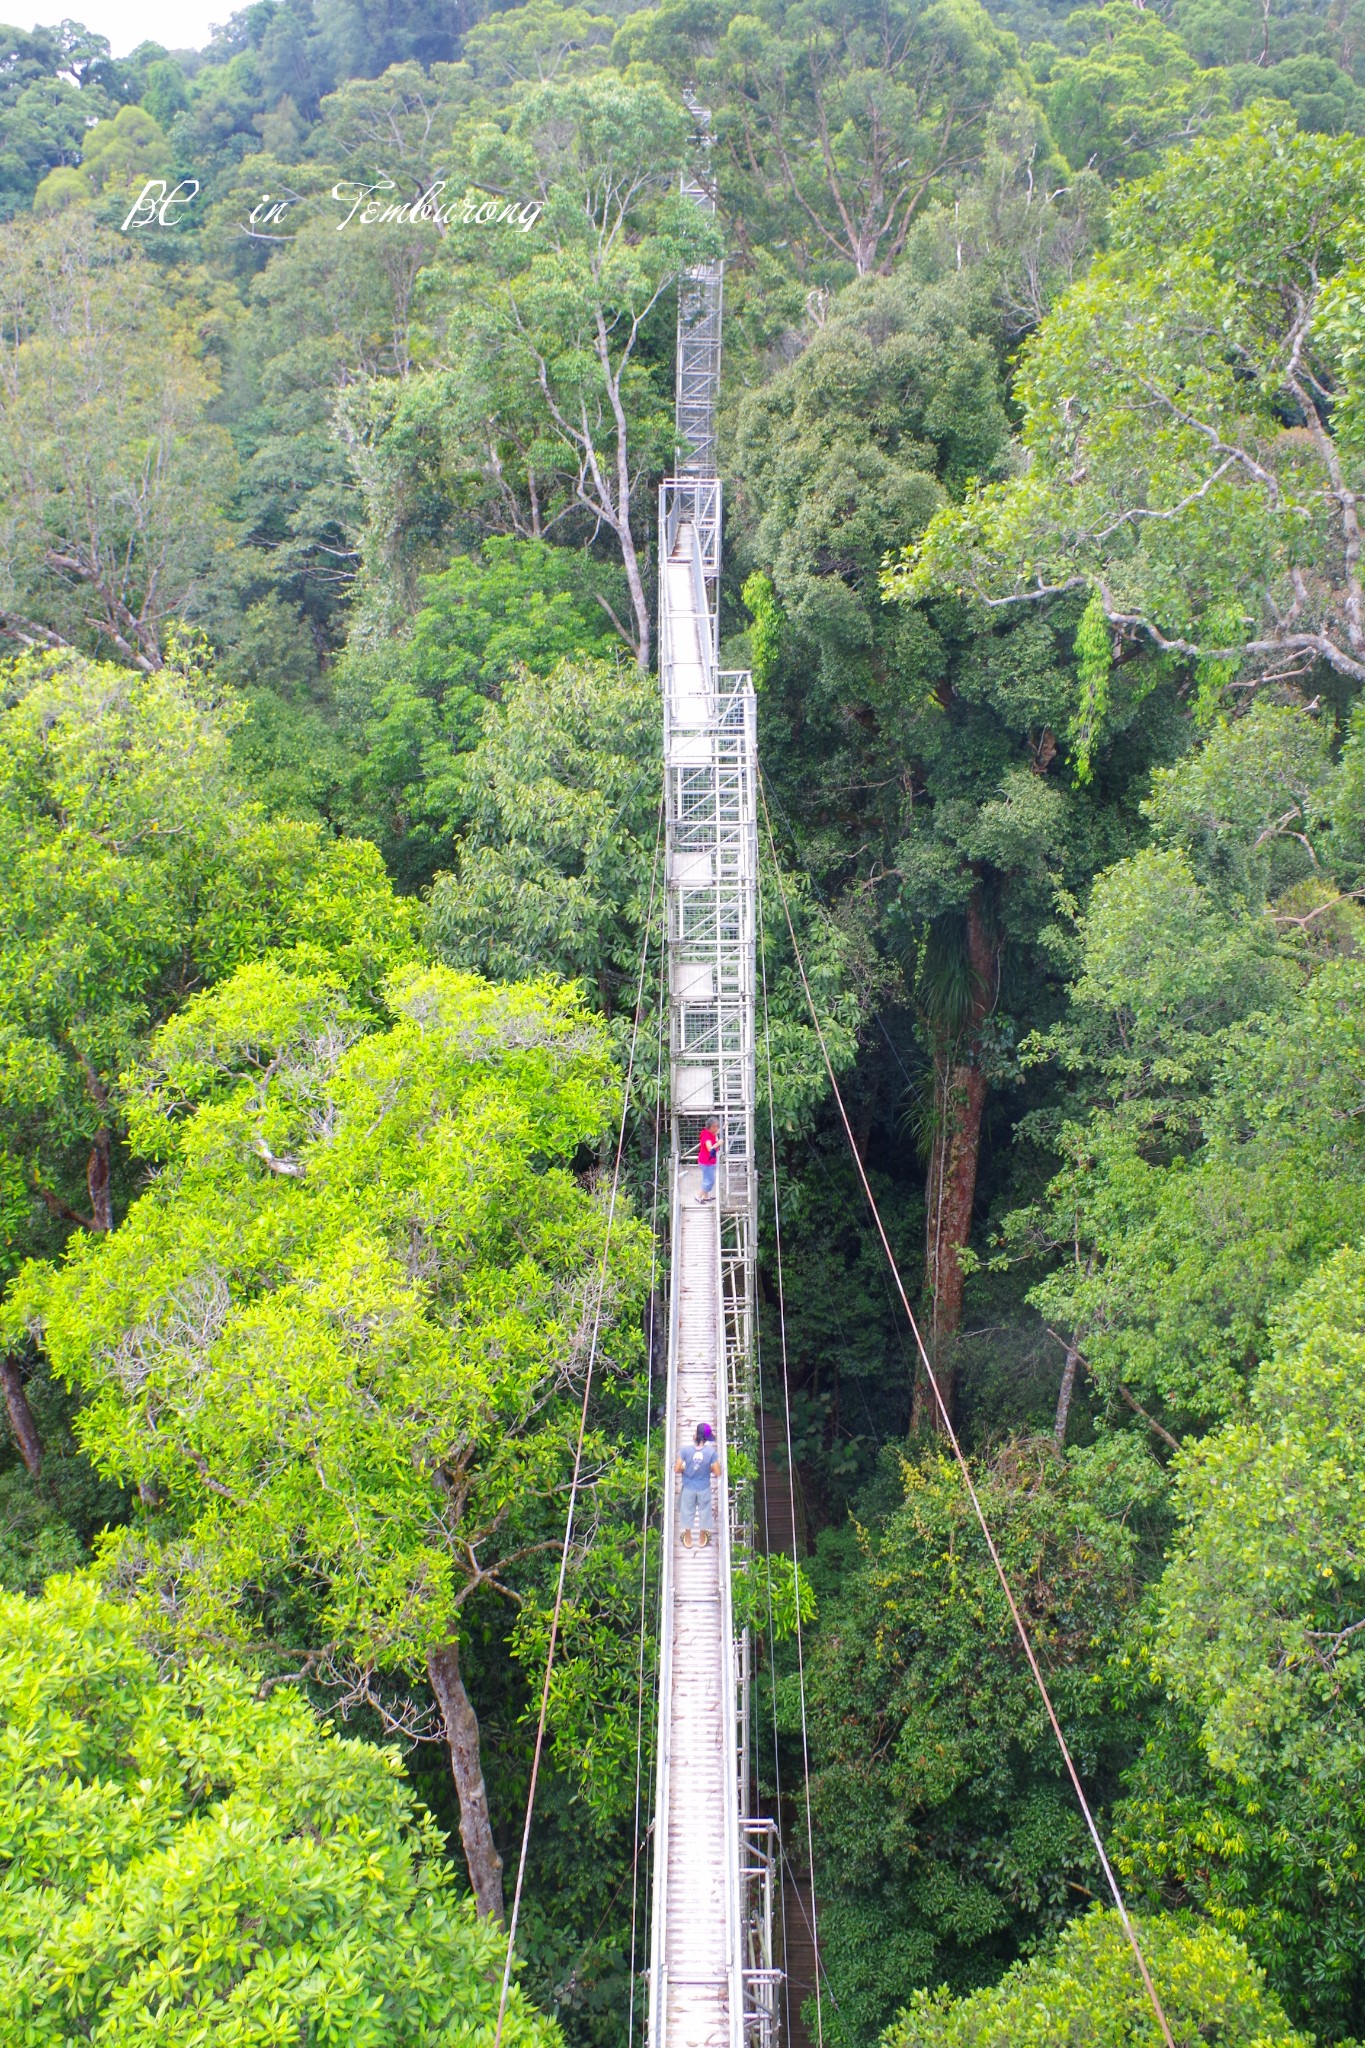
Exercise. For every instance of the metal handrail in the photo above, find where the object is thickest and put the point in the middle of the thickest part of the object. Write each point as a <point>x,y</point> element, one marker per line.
<point>712,837</point>
<point>735,1964</point>
<point>729,1707</point>
<point>658,1975</point>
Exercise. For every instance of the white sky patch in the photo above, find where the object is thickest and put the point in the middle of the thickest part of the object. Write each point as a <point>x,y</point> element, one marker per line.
<point>179,24</point>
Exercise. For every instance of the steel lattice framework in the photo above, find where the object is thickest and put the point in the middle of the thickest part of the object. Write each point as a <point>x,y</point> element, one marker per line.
<point>712,1983</point>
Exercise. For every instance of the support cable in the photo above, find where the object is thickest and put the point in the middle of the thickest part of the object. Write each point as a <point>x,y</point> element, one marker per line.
<point>644,1512</point>
<point>791,1467</point>
<point>947,1425</point>
<point>772,1671</point>
<point>578,1448</point>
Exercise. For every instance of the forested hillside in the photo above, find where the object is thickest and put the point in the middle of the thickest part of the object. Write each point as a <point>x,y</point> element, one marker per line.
<point>336,384</point>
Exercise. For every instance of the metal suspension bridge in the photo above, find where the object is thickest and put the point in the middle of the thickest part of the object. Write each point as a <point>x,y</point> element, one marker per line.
<point>712,1982</point>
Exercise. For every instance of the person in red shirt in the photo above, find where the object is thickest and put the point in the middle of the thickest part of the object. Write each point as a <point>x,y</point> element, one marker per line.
<point>707,1147</point>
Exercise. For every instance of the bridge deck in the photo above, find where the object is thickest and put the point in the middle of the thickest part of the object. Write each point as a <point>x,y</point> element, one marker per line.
<point>700,1772</point>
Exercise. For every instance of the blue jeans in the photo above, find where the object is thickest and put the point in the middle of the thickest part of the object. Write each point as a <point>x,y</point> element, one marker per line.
<point>708,1179</point>
<point>691,1501</point>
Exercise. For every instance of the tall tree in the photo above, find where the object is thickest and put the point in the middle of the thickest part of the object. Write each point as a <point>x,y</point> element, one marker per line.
<point>1125,91</point>
<point>342,1340</point>
<point>1247,1804</point>
<point>555,409</point>
<point>1190,421</point>
<point>835,121</point>
<point>136,872</point>
<point>110,531</point>
<point>1209,1058</point>
<point>228,1845</point>
<point>934,750</point>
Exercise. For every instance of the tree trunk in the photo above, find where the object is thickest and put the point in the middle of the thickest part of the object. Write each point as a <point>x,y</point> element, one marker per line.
<point>1068,1387</point>
<point>21,1415</point>
<point>466,1767</point>
<point>97,1180</point>
<point>639,603</point>
<point>959,1103</point>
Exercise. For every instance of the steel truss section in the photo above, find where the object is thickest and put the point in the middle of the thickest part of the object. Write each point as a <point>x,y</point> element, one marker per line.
<point>697,500</point>
<point>700,297</point>
<point>760,1850</point>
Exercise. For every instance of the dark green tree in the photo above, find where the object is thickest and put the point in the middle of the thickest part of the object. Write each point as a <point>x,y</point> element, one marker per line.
<point>948,1837</point>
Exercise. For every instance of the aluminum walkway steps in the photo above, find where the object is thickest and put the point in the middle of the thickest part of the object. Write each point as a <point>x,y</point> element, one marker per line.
<point>701,1773</point>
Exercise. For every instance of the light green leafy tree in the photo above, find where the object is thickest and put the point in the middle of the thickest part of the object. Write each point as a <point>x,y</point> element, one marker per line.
<point>120,153</point>
<point>341,1341</point>
<point>1248,1803</point>
<point>184,1859</point>
<point>1212,1056</point>
<point>537,42</point>
<point>1182,454</point>
<point>1088,1993</point>
<point>136,873</point>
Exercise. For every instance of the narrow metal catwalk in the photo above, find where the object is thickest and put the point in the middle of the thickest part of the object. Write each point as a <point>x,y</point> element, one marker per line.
<point>712,1984</point>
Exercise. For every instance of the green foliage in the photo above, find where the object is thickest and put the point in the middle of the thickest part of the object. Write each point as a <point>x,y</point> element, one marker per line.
<point>165,93</point>
<point>1212,1037</point>
<point>765,634</point>
<point>524,605</point>
<point>52,87</point>
<point>1237,32</point>
<point>51,1524</point>
<point>121,154</point>
<point>1256,1642</point>
<point>183,1858</point>
<point>562,799</point>
<point>772,1596</point>
<point>546,410</point>
<point>108,534</point>
<point>418,705</point>
<point>1179,420</point>
<point>341,1338</point>
<point>947,1833</point>
<point>1094,660</point>
<point>1087,1991</point>
<point>1128,93</point>
<point>136,873</point>
<point>850,451</point>
<point>835,118</point>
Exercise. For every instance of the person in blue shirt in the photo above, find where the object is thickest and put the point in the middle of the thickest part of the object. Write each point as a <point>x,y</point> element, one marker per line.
<point>697,1462</point>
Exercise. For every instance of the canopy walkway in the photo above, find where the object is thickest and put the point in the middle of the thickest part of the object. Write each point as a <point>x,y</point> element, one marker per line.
<point>712,1984</point>
<point>712,1979</point>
